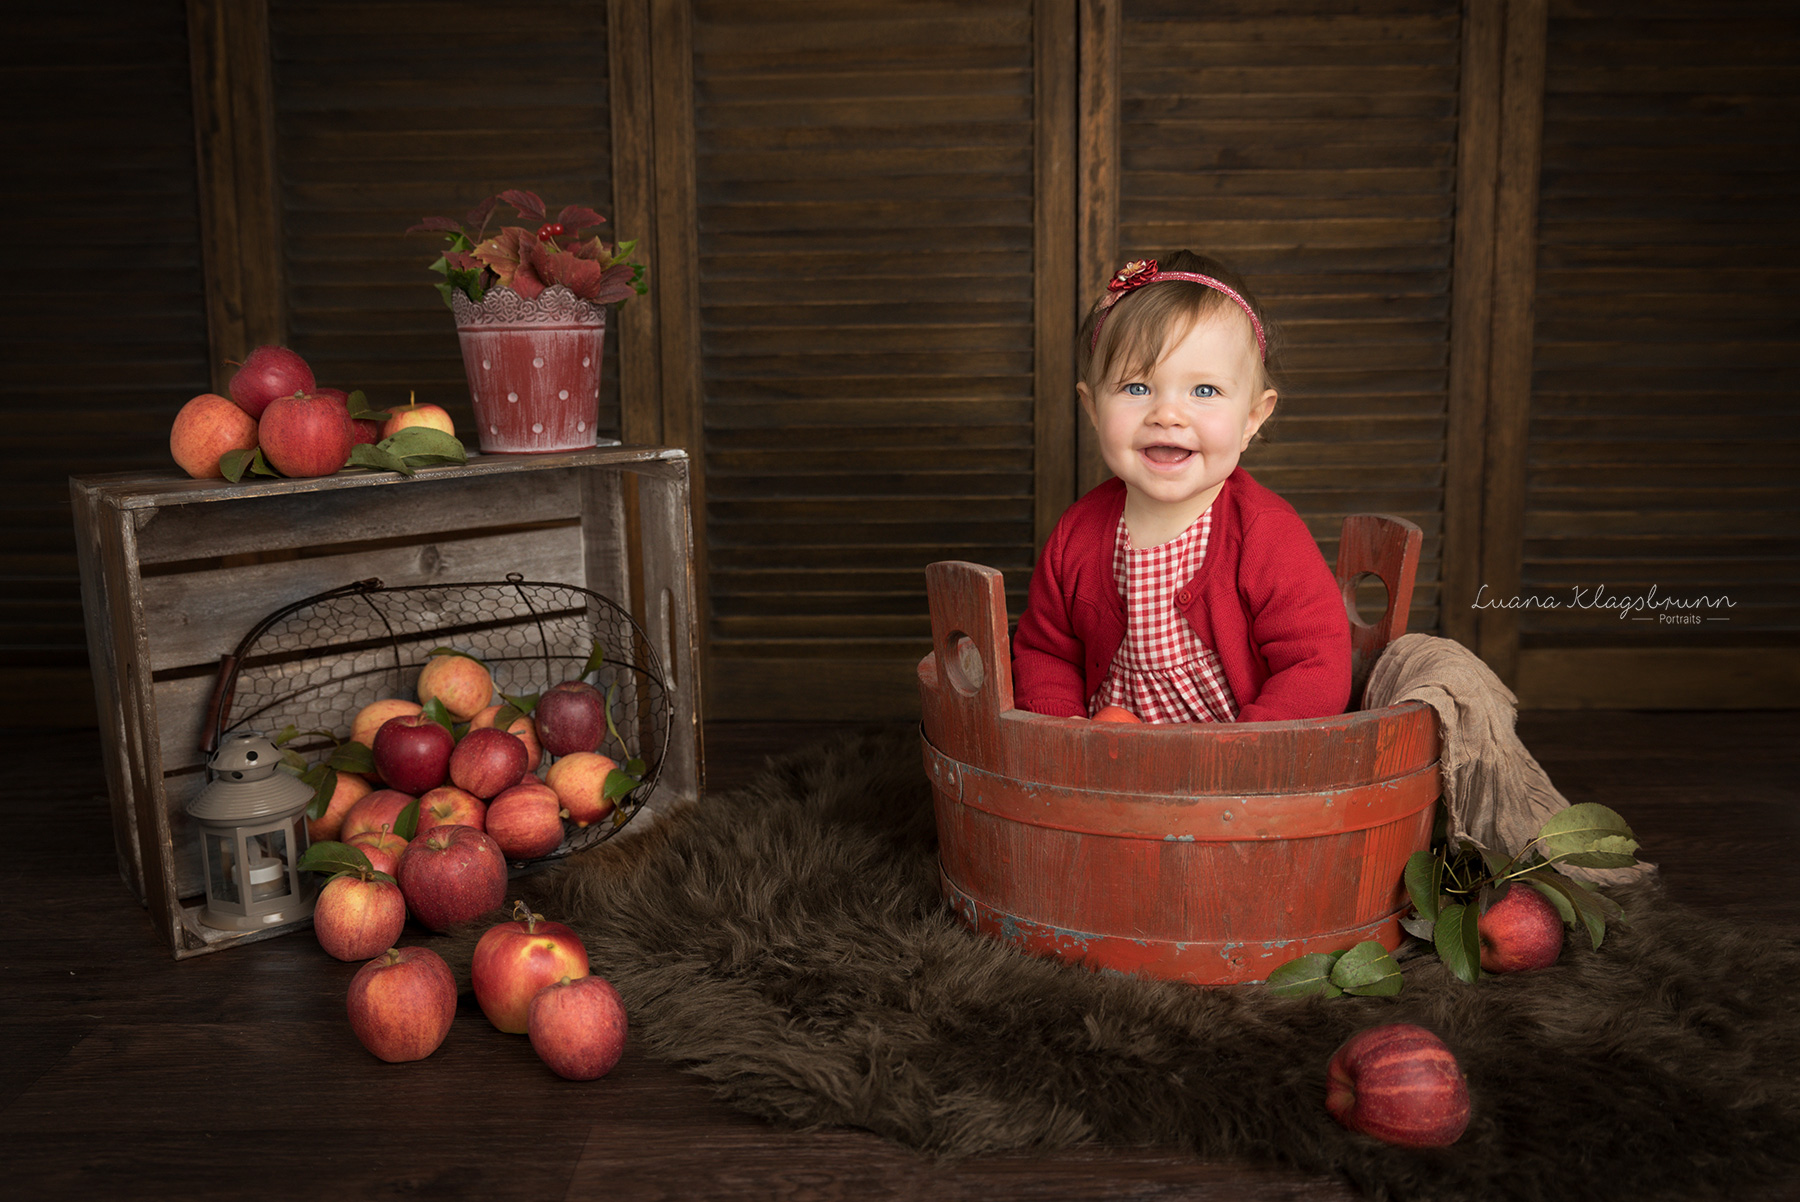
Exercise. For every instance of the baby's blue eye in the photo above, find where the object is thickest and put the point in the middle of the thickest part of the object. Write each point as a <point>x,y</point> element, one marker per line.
<point>1137,390</point>
<point>1205,390</point>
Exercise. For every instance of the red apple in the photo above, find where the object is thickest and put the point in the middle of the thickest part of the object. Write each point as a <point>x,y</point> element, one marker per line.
<point>362,430</point>
<point>1399,1083</point>
<point>305,435</point>
<point>383,847</point>
<point>513,960</point>
<point>372,812</point>
<point>412,753</point>
<point>571,717</point>
<point>526,820</point>
<point>448,805</point>
<point>1115,713</point>
<point>266,373</point>
<point>522,726</point>
<point>357,916</point>
<point>451,874</point>
<point>369,718</point>
<point>206,428</point>
<point>488,762</point>
<point>402,1003</point>
<point>1520,931</point>
<point>578,1027</point>
<point>580,781</point>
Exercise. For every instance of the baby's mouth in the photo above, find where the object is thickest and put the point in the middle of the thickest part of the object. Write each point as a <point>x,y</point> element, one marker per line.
<point>1166,455</point>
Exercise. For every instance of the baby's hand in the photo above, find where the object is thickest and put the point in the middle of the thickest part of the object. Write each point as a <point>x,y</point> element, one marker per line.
<point>1116,713</point>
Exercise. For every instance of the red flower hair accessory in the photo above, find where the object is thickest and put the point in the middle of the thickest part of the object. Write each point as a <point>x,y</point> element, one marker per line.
<point>1138,272</point>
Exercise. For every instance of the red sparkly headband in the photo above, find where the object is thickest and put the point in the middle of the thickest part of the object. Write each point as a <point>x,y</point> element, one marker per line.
<point>1139,272</point>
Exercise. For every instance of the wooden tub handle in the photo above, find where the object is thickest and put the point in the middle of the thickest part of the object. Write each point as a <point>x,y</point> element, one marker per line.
<point>1376,544</point>
<point>968,637</point>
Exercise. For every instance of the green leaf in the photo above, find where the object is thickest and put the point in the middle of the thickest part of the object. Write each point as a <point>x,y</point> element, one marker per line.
<point>260,466</point>
<point>1419,928</point>
<point>373,455</point>
<point>1610,851</point>
<point>294,762</point>
<point>332,857</point>
<point>233,464</point>
<point>618,784</point>
<point>525,703</point>
<point>1423,875</point>
<point>612,695</point>
<point>352,757</point>
<point>1368,971</point>
<point>436,711</point>
<point>596,659</point>
<point>1583,829</point>
<point>1457,942</point>
<point>359,408</point>
<point>1565,908</point>
<point>635,766</point>
<point>1590,907</point>
<point>505,716</point>
<point>1305,976</point>
<point>406,825</point>
<point>324,782</point>
<point>413,442</point>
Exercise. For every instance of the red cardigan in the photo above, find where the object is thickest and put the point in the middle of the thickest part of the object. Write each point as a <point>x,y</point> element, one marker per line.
<point>1263,600</point>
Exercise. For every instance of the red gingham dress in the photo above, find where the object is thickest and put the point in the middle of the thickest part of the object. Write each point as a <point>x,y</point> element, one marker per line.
<point>1162,672</point>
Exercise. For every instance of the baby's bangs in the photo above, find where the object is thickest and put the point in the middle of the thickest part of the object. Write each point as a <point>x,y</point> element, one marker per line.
<point>1139,328</point>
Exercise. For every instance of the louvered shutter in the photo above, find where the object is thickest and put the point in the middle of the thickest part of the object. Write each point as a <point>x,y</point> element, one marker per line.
<point>105,330</point>
<point>386,113</point>
<point>865,237</point>
<point>1314,149</point>
<point>1664,444</point>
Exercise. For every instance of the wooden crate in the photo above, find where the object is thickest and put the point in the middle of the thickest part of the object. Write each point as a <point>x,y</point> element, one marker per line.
<point>175,571</point>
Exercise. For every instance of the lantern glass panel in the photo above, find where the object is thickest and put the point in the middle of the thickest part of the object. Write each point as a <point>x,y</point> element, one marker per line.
<point>221,859</point>
<point>274,845</point>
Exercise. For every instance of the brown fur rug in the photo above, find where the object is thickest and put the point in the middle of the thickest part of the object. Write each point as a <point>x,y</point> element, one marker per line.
<point>788,943</point>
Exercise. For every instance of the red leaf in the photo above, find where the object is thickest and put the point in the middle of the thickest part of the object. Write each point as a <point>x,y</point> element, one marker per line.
<point>575,218</point>
<point>615,284</point>
<point>526,282</point>
<point>529,205</point>
<point>580,276</point>
<point>592,248</point>
<point>478,217</point>
<point>505,251</point>
<point>462,260</point>
<point>441,225</point>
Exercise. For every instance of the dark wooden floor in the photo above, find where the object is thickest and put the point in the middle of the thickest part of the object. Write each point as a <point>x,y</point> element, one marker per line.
<point>125,1074</point>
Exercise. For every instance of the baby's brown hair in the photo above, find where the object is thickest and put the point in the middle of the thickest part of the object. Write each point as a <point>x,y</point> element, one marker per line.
<point>1136,330</point>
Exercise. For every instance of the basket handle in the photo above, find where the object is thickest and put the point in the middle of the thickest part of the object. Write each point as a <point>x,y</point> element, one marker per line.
<point>968,635</point>
<point>1376,544</point>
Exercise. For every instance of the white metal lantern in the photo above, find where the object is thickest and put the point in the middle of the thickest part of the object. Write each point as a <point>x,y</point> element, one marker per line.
<point>252,830</point>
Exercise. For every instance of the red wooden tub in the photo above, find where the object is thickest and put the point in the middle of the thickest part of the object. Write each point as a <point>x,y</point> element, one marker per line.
<point>1208,854</point>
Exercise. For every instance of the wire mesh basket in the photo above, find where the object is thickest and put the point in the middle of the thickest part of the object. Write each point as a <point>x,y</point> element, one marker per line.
<point>314,664</point>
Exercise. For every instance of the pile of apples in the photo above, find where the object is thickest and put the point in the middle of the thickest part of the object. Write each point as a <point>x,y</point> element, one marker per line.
<point>276,405</point>
<point>472,804</point>
<point>531,977</point>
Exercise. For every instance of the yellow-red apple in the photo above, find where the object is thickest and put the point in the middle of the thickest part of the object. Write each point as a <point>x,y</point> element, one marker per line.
<point>383,847</point>
<point>432,417</point>
<point>527,820</point>
<point>451,874</point>
<point>464,685</point>
<point>578,1027</point>
<point>206,428</point>
<point>402,1003</point>
<point>487,762</point>
<point>580,780</point>
<point>523,728</point>
<point>448,805</point>
<point>372,812</point>
<point>358,915</point>
<point>349,790</point>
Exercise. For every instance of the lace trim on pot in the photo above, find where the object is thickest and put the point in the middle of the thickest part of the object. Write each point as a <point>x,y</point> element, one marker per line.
<point>503,306</point>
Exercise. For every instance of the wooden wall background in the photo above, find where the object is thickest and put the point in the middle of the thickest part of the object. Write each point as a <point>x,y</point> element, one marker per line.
<point>1534,263</point>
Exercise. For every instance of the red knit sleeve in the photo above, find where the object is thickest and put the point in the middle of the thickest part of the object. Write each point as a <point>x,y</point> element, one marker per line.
<point>1299,623</point>
<point>1047,655</point>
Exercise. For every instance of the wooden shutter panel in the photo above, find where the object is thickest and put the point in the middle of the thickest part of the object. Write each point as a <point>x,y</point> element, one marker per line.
<point>388,113</point>
<point>105,337</point>
<point>1664,445</point>
<point>865,217</point>
<point>1314,149</point>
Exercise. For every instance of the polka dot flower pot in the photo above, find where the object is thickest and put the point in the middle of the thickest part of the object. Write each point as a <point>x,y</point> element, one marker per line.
<point>533,367</point>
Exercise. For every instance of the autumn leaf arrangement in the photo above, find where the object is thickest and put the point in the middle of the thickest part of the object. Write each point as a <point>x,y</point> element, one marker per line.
<point>545,252</point>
